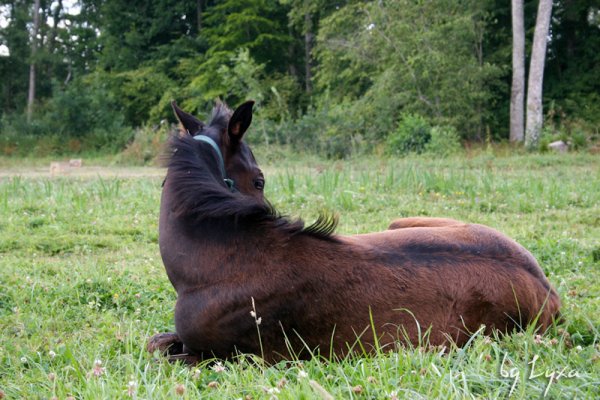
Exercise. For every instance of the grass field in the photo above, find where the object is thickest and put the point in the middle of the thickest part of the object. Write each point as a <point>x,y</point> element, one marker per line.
<point>82,285</point>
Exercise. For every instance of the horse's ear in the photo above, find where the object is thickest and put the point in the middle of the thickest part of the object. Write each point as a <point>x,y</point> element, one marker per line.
<point>240,121</point>
<point>190,123</point>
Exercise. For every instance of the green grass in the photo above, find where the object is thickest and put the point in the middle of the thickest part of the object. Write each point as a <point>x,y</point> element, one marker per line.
<point>81,280</point>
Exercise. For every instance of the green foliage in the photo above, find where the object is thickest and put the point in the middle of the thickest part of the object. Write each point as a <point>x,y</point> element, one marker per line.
<point>257,25</point>
<point>327,131</point>
<point>243,79</point>
<point>409,57</point>
<point>415,135</point>
<point>444,141</point>
<point>84,116</point>
<point>412,135</point>
<point>355,66</point>
<point>576,133</point>
<point>138,92</point>
<point>136,32</point>
<point>573,65</point>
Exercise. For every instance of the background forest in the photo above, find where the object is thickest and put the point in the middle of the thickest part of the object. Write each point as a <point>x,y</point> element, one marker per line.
<point>331,77</point>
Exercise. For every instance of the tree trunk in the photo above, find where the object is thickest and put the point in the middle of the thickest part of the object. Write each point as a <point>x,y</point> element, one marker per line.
<point>517,94</point>
<point>533,128</point>
<point>308,39</point>
<point>36,27</point>
<point>52,39</point>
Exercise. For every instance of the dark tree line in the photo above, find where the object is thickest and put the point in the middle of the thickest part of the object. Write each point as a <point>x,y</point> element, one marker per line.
<point>323,73</point>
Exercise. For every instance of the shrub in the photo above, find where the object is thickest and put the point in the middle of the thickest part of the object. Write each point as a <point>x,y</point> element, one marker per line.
<point>331,132</point>
<point>444,141</point>
<point>80,117</point>
<point>411,135</point>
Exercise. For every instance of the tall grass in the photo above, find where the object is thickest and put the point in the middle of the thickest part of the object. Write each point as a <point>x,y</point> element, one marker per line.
<point>82,286</point>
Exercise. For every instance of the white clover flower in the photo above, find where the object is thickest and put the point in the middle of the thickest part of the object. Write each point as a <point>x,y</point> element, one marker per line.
<point>218,368</point>
<point>98,370</point>
<point>302,374</point>
<point>272,390</point>
<point>131,386</point>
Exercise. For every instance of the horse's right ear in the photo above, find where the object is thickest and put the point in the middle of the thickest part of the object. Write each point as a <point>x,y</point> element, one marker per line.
<point>240,121</point>
<point>189,123</point>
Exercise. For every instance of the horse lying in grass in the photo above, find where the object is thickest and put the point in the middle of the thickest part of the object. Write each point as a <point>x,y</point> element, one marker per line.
<point>251,281</point>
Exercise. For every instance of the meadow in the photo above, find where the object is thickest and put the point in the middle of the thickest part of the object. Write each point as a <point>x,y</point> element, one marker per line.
<point>82,286</point>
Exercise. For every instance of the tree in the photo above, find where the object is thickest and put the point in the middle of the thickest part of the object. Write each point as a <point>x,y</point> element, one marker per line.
<point>534,119</point>
<point>258,25</point>
<point>573,63</point>
<point>518,73</point>
<point>304,15</point>
<point>390,58</point>
<point>32,62</point>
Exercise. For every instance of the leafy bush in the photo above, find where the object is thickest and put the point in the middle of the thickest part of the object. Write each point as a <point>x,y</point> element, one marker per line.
<point>329,131</point>
<point>578,134</point>
<point>444,141</point>
<point>411,135</point>
<point>80,117</point>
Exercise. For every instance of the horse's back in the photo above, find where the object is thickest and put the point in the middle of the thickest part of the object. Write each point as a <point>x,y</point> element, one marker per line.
<point>456,244</point>
<point>471,264</point>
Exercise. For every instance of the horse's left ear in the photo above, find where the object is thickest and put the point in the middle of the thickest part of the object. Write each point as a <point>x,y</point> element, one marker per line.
<point>188,122</point>
<point>240,121</point>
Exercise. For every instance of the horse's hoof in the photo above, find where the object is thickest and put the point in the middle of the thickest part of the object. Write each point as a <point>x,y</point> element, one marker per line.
<point>167,343</point>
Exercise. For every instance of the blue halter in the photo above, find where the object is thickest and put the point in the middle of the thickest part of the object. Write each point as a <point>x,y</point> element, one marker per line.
<point>229,182</point>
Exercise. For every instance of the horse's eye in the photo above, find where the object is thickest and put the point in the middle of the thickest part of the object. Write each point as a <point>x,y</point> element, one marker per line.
<point>259,184</point>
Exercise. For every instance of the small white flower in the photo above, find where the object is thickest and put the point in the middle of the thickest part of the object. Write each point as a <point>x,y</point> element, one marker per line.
<point>302,374</point>
<point>218,367</point>
<point>131,388</point>
<point>98,370</point>
<point>23,360</point>
<point>272,390</point>
<point>196,373</point>
<point>51,354</point>
<point>578,348</point>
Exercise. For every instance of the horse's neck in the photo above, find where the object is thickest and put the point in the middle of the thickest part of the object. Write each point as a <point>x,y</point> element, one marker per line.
<point>195,254</point>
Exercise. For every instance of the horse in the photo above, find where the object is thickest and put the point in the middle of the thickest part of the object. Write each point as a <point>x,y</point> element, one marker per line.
<point>249,280</point>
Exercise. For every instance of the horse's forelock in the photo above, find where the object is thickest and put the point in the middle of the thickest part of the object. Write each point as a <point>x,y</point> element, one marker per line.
<point>220,116</point>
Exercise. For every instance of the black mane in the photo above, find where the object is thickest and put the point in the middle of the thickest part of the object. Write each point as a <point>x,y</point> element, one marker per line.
<point>200,193</point>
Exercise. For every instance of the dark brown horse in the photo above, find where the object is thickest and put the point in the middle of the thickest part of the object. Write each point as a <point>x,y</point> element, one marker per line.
<point>227,253</point>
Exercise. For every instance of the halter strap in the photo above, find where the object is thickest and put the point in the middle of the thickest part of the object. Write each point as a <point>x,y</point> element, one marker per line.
<point>203,138</point>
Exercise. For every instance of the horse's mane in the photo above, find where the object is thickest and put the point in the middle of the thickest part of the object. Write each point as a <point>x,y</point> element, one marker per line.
<point>199,192</point>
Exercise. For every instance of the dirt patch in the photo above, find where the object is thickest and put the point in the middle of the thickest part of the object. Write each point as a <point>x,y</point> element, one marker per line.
<point>83,172</point>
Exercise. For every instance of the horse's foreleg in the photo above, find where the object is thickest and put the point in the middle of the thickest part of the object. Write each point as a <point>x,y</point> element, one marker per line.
<point>416,222</point>
<point>167,343</point>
